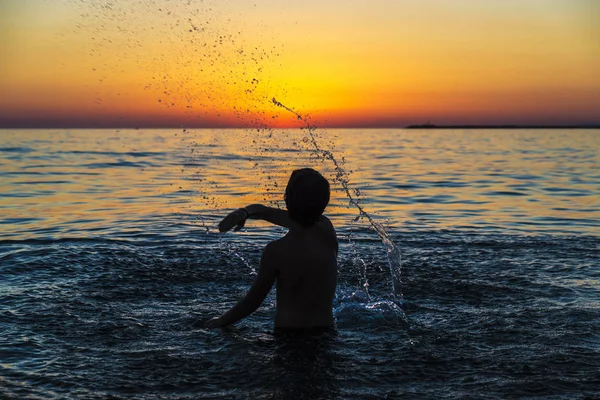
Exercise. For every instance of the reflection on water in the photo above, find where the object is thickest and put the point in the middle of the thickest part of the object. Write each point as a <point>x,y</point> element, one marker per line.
<point>108,269</point>
<point>58,183</point>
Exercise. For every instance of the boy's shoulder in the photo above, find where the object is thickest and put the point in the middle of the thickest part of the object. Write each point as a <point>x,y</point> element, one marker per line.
<point>275,245</point>
<point>327,227</point>
<point>329,232</point>
<point>326,223</point>
<point>323,231</point>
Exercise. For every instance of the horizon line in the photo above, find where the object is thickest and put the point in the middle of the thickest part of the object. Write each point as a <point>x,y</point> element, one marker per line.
<point>325,126</point>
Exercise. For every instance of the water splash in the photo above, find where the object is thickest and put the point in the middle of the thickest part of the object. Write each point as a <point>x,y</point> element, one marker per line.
<point>341,175</point>
<point>212,73</point>
<point>232,251</point>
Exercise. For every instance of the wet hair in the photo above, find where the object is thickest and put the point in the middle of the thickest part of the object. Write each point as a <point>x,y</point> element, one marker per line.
<point>306,196</point>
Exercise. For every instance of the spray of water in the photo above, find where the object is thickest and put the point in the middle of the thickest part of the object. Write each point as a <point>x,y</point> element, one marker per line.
<point>208,66</point>
<point>392,251</point>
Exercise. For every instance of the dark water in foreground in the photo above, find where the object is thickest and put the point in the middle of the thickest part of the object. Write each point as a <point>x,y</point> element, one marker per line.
<point>109,258</point>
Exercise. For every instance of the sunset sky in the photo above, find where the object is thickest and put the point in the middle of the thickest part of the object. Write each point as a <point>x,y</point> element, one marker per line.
<point>351,63</point>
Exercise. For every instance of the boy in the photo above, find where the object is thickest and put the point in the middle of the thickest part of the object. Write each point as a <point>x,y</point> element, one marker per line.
<point>303,263</point>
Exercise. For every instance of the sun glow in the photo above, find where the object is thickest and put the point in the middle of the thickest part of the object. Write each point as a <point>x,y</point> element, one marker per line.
<point>382,63</point>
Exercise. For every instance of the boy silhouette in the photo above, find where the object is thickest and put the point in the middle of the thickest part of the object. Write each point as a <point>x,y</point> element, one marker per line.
<point>303,263</point>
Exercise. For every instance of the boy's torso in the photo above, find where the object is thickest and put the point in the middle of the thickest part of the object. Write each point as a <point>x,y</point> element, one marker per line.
<point>306,277</point>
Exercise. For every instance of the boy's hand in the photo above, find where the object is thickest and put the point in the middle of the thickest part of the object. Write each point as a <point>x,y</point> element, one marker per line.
<point>236,218</point>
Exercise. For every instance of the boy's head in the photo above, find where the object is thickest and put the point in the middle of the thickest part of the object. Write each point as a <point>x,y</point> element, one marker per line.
<point>306,196</point>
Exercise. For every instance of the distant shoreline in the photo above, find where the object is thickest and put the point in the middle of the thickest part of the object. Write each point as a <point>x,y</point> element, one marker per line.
<point>431,126</point>
<point>411,127</point>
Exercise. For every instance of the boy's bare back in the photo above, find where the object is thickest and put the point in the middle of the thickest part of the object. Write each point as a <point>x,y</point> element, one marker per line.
<point>306,265</point>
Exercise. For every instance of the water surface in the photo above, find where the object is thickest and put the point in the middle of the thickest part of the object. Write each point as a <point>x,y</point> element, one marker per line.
<point>109,259</point>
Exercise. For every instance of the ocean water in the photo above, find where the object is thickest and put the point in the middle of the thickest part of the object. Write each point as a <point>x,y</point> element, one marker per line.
<point>110,261</point>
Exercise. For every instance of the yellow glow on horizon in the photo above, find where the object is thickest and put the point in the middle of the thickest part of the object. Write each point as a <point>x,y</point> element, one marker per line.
<point>364,63</point>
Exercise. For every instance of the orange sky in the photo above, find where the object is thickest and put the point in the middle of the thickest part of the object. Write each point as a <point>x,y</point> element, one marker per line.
<point>67,63</point>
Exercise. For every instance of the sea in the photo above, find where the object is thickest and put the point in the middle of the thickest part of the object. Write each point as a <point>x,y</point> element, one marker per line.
<point>110,261</point>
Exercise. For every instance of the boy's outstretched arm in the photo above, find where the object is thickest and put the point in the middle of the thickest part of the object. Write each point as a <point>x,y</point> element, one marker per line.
<point>238,217</point>
<point>273,215</point>
<point>255,296</point>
